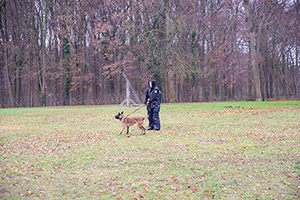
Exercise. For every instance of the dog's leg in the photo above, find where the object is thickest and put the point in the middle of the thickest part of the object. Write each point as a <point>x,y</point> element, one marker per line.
<point>122,130</point>
<point>140,125</point>
<point>127,129</point>
<point>143,133</point>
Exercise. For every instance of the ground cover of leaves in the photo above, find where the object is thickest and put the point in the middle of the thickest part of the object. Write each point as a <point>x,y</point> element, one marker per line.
<point>228,150</point>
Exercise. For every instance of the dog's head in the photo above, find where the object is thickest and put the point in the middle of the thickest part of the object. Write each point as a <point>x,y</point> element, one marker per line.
<point>119,116</point>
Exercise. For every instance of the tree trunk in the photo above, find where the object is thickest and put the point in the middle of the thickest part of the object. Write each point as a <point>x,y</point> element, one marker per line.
<point>169,54</point>
<point>3,27</point>
<point>18,80</point>
<point>296,80</point>
<point>254,50</point>
<point>81,47</point>
<point>7,76</point>
<point>96,77</point>
<point>43,74</point>
<point>29,91</point>
<point>57,71</point>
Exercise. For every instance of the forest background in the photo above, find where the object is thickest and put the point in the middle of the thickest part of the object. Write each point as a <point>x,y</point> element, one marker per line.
<point>73,52</point>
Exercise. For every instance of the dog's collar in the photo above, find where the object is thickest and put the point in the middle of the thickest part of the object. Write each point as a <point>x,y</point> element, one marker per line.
<point>121,118</point>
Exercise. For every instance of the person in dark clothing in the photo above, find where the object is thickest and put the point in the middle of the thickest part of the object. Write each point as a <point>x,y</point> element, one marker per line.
<point>153,101</point>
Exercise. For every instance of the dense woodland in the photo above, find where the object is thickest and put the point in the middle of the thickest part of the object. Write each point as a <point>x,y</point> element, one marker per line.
<point>73,52</point>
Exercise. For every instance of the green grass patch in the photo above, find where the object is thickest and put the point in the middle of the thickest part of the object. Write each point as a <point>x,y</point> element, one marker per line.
<point>228,150</point>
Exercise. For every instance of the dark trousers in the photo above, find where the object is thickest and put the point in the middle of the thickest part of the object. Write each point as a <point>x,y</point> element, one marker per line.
<point>154,120</point>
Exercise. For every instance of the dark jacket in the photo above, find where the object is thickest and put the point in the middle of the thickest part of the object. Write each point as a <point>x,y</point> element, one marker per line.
<point>153,96</point>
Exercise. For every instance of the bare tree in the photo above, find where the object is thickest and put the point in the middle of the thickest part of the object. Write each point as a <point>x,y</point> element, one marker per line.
<point>3,26</point>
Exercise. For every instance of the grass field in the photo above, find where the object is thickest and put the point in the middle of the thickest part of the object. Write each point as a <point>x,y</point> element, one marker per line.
<point>228,150</point>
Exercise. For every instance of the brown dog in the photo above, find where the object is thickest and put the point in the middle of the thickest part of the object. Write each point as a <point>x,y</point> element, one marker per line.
<point>129,121</point>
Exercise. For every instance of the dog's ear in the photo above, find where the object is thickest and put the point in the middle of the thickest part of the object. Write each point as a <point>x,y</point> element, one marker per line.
<point>121,112</point>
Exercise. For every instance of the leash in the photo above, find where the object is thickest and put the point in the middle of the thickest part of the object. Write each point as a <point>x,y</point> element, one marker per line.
<point>134,111</point>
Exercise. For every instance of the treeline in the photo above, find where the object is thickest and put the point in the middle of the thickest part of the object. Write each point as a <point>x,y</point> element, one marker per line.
<point>73,52</point>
